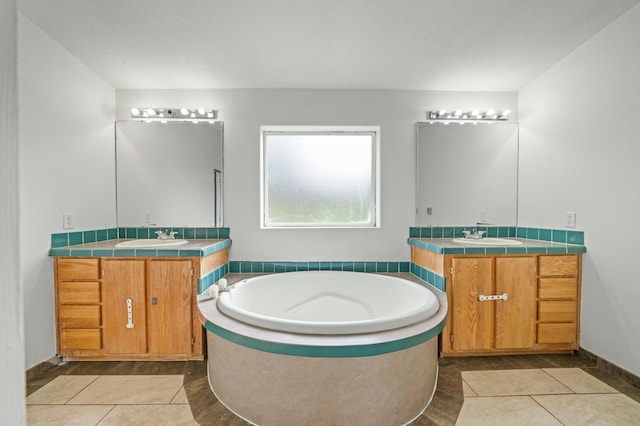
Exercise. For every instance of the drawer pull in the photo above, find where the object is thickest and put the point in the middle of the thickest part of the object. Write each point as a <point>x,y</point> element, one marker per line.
<point>483,298</point>
<point>130,313</point>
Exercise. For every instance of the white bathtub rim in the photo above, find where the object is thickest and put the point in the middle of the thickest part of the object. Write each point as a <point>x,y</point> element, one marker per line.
<point>215,321</point>
<point>419,312</point>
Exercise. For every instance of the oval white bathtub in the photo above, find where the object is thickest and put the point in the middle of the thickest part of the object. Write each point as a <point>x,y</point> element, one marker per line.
<point>328,302</point>
<point>289,377</point>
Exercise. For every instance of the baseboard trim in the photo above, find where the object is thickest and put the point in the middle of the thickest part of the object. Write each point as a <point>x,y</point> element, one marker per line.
<point>610,368</point>
<point>39,369</point>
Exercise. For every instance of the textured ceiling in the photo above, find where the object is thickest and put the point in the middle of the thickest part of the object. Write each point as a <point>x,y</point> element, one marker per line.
<point>330,44</point>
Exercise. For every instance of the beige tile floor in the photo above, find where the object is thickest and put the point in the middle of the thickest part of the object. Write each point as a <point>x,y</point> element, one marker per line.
<point>546,396</point>
<point>110,400</point>
<point>541,396</point>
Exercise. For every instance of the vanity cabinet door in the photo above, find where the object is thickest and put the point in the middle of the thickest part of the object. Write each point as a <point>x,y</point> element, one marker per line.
<point>484,325</point>
<point>472,321</point>
<point>516,316</point>
<point>125,321</point>
<point>169,306</point>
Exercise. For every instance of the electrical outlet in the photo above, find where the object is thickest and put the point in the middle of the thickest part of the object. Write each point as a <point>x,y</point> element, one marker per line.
<point>569,219</point>
<point>483,216</point>
<point>429,211</point>
<point>67,221</point>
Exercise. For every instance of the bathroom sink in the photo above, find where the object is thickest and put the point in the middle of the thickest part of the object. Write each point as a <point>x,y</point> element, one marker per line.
<point>151,242</point>
<point>488,241</point>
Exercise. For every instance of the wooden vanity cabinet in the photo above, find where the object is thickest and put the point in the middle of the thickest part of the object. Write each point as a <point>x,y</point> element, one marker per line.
<point>148,306</point>
<point>541,313</point>
<point>127,308</point>
<point>481,324</point>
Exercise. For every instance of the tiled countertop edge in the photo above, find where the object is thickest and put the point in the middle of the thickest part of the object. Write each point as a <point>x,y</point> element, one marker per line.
<point>543,248</point>
<point>146,252</point>
<point>62,243</point>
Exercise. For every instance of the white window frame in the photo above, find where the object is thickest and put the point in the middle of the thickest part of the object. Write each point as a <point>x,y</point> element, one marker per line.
<point>314,130</point>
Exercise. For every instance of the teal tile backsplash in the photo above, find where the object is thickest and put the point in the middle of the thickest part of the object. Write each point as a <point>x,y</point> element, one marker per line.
<point>543,234</point>
<point>91,236</point>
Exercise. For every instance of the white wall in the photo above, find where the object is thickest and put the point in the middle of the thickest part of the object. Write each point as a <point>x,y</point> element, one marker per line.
<point>11,325</point>
<point>580,148</point>
<point>66,125</point>
<point>243,111</point>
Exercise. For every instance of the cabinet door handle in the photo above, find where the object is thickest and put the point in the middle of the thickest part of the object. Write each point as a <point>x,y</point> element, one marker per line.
<point>130,313</point>
<point>483,298</point>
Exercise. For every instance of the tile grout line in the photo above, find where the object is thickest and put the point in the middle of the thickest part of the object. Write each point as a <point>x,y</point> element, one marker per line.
<point>560,381</point>
<point>545,409</point>
<point>80,391</point>
<point>470,387</point>
<point>178,391</point>
<point>106,414</point>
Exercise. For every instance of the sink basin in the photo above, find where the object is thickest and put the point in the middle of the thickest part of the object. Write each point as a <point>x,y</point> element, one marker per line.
<point>151,242</point>
<point>488,241</point>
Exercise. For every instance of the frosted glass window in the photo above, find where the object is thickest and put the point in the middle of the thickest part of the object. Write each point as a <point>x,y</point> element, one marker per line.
<point>319,179</point>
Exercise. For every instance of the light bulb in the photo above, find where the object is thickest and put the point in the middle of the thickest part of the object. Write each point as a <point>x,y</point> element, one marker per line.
<point>135,111</point>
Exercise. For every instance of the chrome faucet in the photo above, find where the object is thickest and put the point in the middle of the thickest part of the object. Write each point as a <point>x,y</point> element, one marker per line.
<point>474,234</point>
<point>162,235</point>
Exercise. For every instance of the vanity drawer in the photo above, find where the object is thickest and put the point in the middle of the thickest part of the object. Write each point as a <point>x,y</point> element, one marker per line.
<point>557,333</point>
<point>80,338</point>
<point>557,288</point>
<point>558,265</point>
<point>79,316</point>
<point>557,311</point>
<point>78,269</point>
<point>79,292</point>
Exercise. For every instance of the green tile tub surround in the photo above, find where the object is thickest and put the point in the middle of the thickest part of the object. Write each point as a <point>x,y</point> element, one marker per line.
<point>251,267</point>
<point>428,276</point>
<point>573,240</point>
<point>212,277</point>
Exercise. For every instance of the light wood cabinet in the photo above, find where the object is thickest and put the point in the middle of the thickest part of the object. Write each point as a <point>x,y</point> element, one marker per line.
<point>125,313</point>
<point>79,306</point>
<point>558,321</point>
<point>479,324</point>
<point>170,330</point>
<point>541,313</point>
<point>130,308</point>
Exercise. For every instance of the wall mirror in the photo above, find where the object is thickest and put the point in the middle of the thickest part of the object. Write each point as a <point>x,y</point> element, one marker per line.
<point>169,174</point>
<point>467,174</point>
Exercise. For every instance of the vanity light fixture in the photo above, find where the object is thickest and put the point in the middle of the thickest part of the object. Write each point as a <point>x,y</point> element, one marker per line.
<point>474,116</point>
<point>164,115</point>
